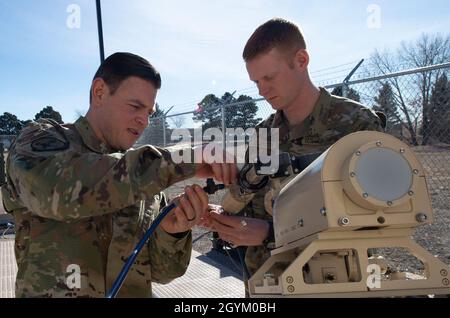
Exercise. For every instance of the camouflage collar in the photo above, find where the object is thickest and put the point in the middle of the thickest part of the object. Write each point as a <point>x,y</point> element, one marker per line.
<point>323,102</point>
<point>89,138</point>
<point>293,132</point>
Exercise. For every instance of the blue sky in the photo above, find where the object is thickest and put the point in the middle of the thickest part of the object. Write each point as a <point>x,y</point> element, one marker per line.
<point>196,45</point>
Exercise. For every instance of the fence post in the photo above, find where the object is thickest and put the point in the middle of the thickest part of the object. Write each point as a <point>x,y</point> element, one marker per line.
<point>344,89</point>
<point>347,79</point>
<point>223,126</point>
<point>2,165</point>
<point>164,130</point>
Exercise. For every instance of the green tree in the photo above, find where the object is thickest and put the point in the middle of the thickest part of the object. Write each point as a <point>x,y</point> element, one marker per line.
<point>154,133</point>
<point>157,119</point>
<point>243,115</point>
<point>439,111</point>
<point>350,93</point>
<point>49,112</point>
<point>209,112</point>
<point>386,103</point>
<point>10,124</point>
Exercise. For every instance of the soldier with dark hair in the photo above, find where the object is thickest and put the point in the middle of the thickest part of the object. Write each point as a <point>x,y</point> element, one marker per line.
<point>82,199</point>
<point>309,120</point>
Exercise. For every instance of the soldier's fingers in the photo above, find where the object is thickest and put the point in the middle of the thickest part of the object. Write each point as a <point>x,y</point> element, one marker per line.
<point>229,220</point>
<point>222,228</point>
<point>234,173</point>
<point>203,196</point>
<point>187,209</point>
<point>217,171</point>
<point>231,168</point>
<point>226,172</point>
<point>181,223</point>
<point>204,223</point>
<point>195,201</point>
<point>179,214</point>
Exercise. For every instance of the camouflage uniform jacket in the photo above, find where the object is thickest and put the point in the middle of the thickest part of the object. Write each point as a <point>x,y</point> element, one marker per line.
<point>77,201</point>
<point>332,118</point>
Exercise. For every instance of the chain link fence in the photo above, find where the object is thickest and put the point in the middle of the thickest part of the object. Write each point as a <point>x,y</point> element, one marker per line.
<point>415,102</point>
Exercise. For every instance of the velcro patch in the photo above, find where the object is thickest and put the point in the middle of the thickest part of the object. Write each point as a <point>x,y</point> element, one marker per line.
<point>49,143</point>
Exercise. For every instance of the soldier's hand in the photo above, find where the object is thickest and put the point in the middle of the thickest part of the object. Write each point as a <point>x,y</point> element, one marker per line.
<point>223,170</point>
<point>193,206</point>
<point>237,230</point>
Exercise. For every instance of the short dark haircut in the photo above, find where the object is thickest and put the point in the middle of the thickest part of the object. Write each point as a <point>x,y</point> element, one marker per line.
<point>119,66</point>
<point>276,32</point>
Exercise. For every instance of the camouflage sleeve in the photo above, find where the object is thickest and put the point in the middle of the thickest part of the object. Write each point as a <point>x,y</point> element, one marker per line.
<point>349,116</point>
<point>68,185</point>
<point>365,119</point>
<point>169,254</point>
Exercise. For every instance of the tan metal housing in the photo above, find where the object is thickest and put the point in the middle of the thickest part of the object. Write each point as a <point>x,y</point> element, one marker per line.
<point>366,192</point>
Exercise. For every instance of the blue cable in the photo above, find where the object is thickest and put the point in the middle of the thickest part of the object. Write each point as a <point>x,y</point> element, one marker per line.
<point>124,272</point>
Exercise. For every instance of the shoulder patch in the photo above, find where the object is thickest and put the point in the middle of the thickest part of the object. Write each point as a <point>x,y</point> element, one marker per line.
<point>44,135</point>
<point>49,143</point>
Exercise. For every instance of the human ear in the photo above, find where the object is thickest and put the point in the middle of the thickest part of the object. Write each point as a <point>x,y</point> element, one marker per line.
<point>301,59</point>
<point>99,91</point>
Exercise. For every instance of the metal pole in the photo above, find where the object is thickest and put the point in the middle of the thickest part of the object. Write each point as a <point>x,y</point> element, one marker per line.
<point>344,89</point>
<point>2,166</point>
<point>164,130</point>
<point>165,114</point>
<point>224,104</point>
<point>347,78</point>
<point>396,74</point>
<point>223,126</point>
<point>100,31</point>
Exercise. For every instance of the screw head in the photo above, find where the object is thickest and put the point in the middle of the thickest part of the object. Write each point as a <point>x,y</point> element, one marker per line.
<point>344,221</point>
<point>379,143</point>
<point>445,281</point>
<point>289,279</point>
<point>389,203</point>
<point>323,211</point>
<point>352,174</point>
<point>402,150</point>
<point>410,192</point>
<point>365,195</point>
<point>290,288</point>
<point>444,272</point>
<point>415,171</point>
<point>421,217</point>
<point>358,153</point>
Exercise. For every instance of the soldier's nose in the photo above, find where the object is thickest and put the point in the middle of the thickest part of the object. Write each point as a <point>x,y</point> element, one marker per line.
<point>141,122</point>
<point>263,91</point>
